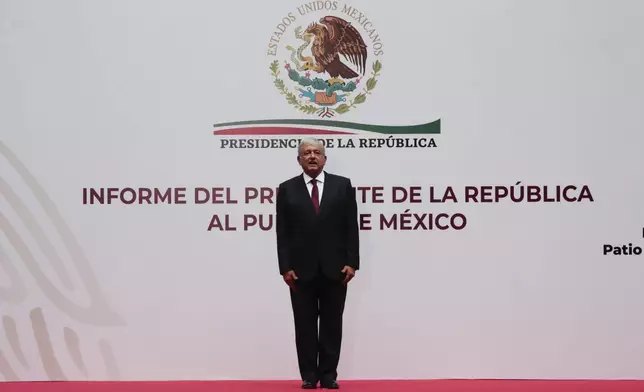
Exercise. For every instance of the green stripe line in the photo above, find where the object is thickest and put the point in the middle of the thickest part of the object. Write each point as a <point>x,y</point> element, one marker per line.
<point>433,127</point>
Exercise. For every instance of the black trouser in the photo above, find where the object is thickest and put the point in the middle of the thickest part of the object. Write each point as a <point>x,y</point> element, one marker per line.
<point>324,297</point>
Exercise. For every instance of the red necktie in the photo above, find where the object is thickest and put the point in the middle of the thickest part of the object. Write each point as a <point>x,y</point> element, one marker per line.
<point>315,196</point>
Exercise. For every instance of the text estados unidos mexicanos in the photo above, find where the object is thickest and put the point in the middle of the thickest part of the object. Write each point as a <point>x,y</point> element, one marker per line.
<point>362,142</point>
<point>517,193</point>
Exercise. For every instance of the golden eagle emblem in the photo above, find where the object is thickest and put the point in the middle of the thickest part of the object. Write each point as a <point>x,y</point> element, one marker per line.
<point>326,63</point>
<point>333,37</point>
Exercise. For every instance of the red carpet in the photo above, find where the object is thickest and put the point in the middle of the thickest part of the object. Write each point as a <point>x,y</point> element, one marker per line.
<point>355,386</point>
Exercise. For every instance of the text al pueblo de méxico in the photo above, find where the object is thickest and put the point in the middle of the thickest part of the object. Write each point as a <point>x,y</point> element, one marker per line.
<point>412,200</point>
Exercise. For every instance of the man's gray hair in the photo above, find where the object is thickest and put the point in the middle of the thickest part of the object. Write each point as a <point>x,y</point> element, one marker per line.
<point>311,141</point>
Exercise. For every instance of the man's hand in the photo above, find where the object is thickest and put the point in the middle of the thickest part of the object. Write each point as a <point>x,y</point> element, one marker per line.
<point>349,273</point>
<point>290,279</point>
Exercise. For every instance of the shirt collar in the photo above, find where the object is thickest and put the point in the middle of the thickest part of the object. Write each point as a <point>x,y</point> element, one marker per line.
<point>320,177</point>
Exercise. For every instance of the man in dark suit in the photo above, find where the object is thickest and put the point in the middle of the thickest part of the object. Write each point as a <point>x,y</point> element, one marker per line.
<point>318,253</point>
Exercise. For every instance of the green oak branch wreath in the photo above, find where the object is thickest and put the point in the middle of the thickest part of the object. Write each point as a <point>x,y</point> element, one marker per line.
<point>322,85</point>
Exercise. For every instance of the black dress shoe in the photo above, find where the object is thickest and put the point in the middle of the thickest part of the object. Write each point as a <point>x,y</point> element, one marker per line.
<point>308,385</point>
<point>330,385</point>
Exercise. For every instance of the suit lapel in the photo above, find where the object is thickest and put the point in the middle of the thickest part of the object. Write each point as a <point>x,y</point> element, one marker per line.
<point>303,193</point>
<point>328,192</point>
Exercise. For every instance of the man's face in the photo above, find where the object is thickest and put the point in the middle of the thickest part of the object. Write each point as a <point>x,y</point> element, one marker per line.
<point>312,159</point>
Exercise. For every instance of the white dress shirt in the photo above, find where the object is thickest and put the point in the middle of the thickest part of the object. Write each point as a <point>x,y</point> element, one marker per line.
<point>320,182</point>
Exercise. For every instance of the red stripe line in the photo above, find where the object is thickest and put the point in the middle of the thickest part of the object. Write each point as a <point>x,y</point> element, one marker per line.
<point>278,131</point>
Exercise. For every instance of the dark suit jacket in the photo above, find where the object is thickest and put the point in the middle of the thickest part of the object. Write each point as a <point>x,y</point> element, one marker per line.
<point>308,243</point>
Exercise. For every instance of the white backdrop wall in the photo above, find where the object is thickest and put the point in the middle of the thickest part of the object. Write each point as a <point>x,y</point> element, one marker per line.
<point>124,94</point>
